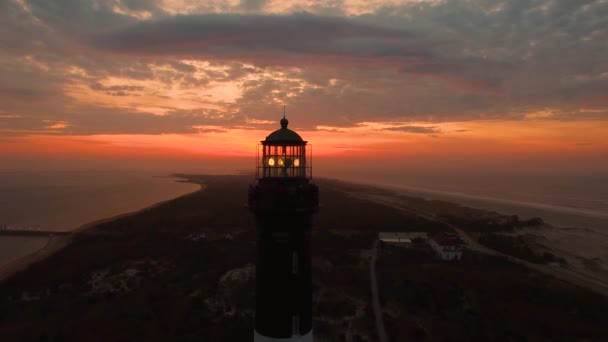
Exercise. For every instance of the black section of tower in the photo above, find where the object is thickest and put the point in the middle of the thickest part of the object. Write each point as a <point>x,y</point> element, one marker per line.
<point>283,203</point>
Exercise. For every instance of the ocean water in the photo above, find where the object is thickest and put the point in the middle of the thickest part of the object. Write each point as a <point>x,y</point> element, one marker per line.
<point>61,201</point>
<point>565,200</point>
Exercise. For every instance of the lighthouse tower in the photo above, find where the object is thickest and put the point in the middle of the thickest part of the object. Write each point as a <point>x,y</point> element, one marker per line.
<point>283,200</point>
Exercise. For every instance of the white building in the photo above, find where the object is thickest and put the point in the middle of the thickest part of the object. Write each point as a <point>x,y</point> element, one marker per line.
<point>447,246</point>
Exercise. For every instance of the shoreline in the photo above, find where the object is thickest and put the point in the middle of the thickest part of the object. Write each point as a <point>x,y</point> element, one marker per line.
<point>562,216</point>
<point>97,222</point>
<point>53,245</point>
<point>56,242</point>
<point>590,213</point>
<point>571,273</point>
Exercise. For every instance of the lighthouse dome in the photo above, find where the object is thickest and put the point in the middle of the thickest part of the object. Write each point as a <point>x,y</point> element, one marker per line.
<point>284,134</point>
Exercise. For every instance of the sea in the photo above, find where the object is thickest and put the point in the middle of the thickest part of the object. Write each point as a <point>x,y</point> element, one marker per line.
<point>66,200</point>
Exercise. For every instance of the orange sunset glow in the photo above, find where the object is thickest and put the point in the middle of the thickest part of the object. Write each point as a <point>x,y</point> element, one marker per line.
<point>467,138</point>
<point>173,80</point>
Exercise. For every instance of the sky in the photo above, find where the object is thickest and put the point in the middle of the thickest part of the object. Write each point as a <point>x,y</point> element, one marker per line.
<point>396,85</point>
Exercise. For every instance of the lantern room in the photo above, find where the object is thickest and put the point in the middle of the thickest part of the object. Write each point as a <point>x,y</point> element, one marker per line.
<point>284,155</point>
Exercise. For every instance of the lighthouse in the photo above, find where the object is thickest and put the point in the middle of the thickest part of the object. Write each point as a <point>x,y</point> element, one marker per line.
<point>283,200</point>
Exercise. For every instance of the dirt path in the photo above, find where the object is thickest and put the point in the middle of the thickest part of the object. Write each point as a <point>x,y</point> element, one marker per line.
<point>375,298</point>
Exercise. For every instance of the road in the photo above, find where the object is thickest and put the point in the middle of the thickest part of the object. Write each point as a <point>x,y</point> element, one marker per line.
<point>375,298</point>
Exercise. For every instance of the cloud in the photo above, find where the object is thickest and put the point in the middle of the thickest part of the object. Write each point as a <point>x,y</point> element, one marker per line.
<point>116,90</point>
<point>59,125</point>
<point>95,120</point>
<point>209,129</point>
<point>25,93</point>
<point>8,116</point>
<point>252,5</point>
<point>298,39</point>
<point>228,63</point>
<point>413,129</point>
<point>262,39</point>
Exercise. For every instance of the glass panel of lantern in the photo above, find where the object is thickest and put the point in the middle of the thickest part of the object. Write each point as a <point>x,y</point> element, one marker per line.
<point>284,161</point>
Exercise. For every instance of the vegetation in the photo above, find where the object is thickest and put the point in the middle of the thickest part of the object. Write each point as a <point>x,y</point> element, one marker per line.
<point>482,298</point>
<point>142,277</point>
<point>517,247</point>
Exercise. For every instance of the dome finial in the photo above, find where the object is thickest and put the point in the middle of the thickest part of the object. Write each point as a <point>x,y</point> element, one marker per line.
<point>284,122</point>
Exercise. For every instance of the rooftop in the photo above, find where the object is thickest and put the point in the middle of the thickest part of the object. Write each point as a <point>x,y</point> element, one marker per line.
<point>284,134</point>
